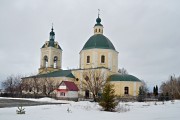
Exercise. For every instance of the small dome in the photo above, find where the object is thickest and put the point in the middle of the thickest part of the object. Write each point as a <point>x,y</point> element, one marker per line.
<point>125,77</point>
<point>98,41</point>
<point>98,20</point>
<point>52,32</point>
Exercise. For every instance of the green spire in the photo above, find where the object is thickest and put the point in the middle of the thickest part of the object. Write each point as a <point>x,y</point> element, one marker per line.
<point>52,34</point>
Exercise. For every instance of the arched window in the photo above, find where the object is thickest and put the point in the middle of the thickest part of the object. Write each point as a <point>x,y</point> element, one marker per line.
<point>102,59</point>
<point>99,30</point>
<point>55,61</point>
<point>126,90</point>
<point>45,61</point>
<point>30,89</point>
<point>88,59</point>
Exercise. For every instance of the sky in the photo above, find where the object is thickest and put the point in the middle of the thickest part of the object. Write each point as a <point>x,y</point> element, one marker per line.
<point>146,33</point>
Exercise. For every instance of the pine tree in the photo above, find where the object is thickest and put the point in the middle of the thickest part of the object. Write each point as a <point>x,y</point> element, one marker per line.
<point>108,98</point>
<point>156,90</point>
<point>141,94</point>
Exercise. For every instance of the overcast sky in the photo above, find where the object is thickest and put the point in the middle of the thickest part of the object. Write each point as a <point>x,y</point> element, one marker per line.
<point>146,33</point>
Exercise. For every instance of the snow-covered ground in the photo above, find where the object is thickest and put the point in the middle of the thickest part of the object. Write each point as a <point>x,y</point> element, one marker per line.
<point>91,111</point>
<point>45,99</point>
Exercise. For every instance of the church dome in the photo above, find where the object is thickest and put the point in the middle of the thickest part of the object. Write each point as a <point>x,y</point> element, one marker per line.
<point>98,41</point>
<point>124,77</point>
<point>98,20</point>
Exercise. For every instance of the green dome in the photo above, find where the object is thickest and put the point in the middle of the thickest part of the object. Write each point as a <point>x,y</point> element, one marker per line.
<point>125,77</point>
<point>98,41</point>
<point>98,22</point>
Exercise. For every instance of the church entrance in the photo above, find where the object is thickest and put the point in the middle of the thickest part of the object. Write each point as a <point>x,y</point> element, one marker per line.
<point>87,94</point>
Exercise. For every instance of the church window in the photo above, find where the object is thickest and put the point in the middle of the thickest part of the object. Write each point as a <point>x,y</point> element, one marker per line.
<point>45,61</point>
<point>86,78</point>
<point>88,59</point>
<point>102,59</point>
<point>126,90</point>
<point>55,61</point>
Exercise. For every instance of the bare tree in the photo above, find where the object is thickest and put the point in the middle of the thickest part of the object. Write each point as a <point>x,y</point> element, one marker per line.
<point>95,79</point>
<point>13,85</point>
<point>171,87</point>
<point>143,90</point>
<point>39,85</point>
<point>122,71</point>
<point>48,85</point>
<point>8,84</point>
<point>144,85</point>
<point>19,85</point>
<point>32,85</point>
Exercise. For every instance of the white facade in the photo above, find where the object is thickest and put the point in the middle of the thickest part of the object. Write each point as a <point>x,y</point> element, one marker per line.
<point>67,94</point>
<point>64,93</point>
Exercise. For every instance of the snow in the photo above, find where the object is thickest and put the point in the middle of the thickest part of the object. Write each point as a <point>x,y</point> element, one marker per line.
<point>45,99</point>
<point>89,110</point>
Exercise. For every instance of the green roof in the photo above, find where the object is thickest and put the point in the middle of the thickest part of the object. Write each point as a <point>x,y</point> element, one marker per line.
<point>51,44</point>
<point>59,73</point>
<point>98,41</point>
<point>124,77</point>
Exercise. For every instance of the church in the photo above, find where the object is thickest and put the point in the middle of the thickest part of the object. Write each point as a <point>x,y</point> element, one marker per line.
<point>98,54</point>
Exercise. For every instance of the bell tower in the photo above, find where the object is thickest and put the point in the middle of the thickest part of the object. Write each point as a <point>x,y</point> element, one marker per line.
<point>51,55</point>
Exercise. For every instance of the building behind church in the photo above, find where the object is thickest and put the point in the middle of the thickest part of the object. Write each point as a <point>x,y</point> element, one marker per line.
<point>98,53</point>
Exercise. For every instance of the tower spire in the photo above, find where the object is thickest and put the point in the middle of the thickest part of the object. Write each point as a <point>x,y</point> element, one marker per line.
<point>98,27</point>
<point>98,12</point>
<point>98,20</point>
<point>52,34</point>
<point>52,27</point>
